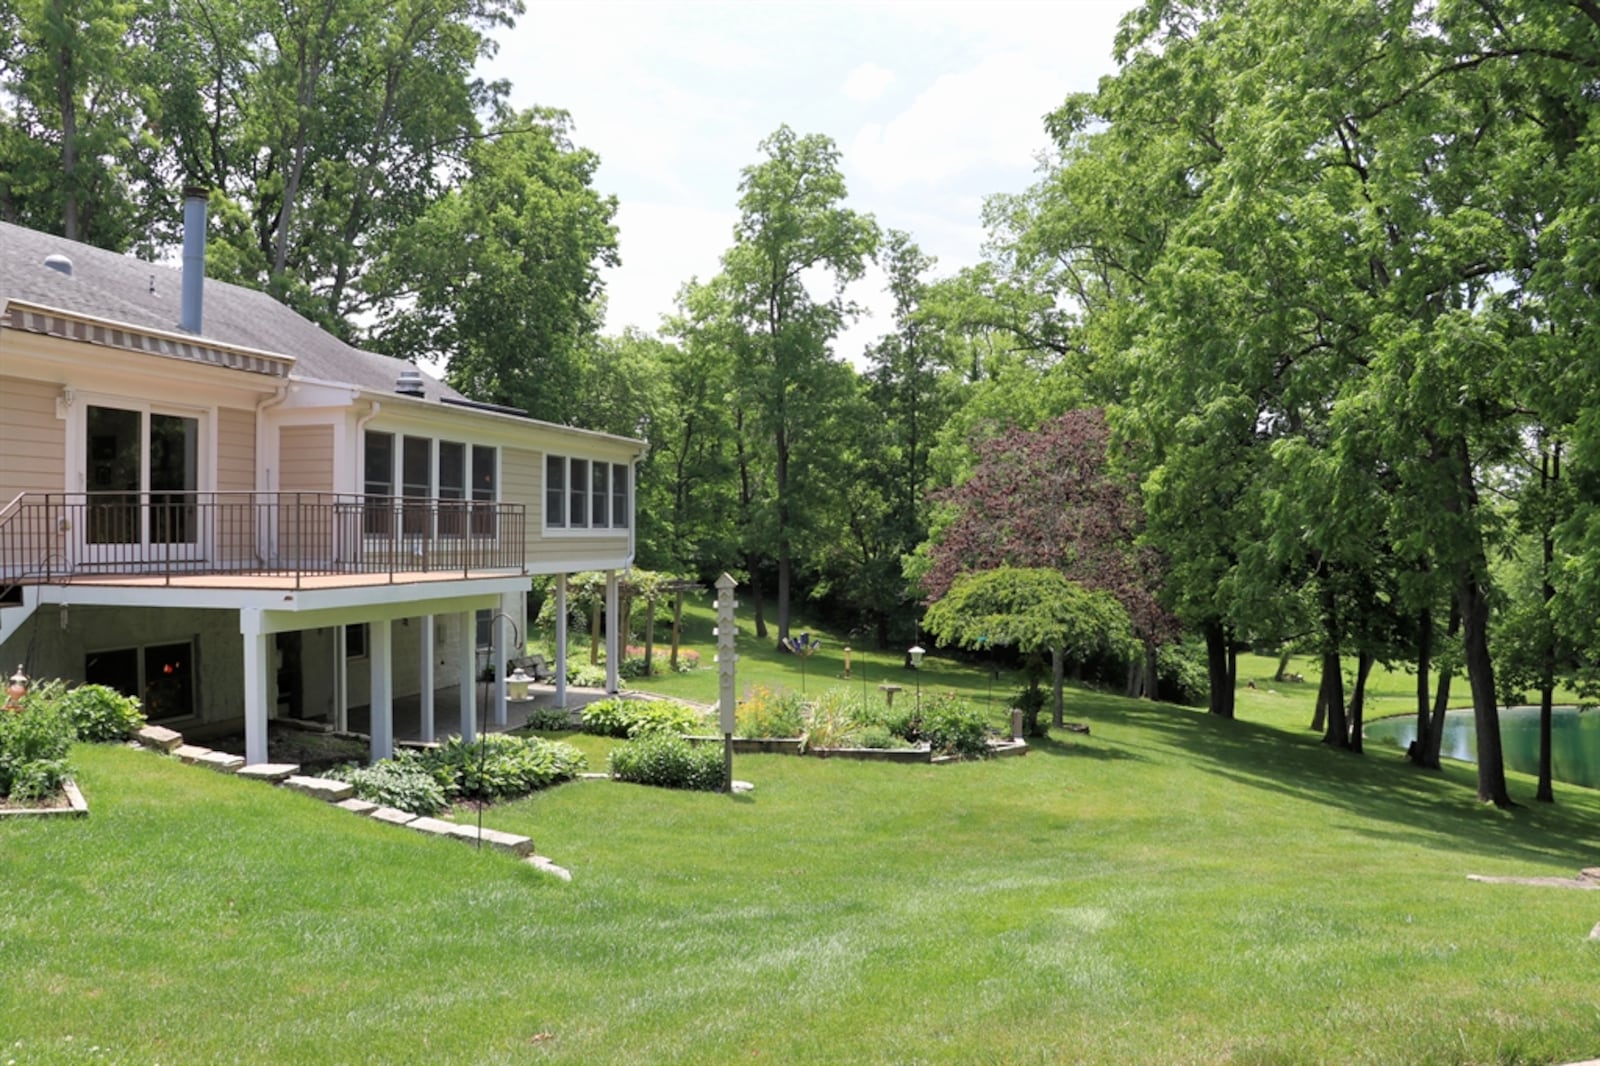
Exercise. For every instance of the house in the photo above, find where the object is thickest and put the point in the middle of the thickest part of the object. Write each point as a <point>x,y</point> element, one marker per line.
<point>211,503</point>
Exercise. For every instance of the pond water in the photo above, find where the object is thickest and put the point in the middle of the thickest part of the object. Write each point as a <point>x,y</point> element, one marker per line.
<point>1574,740</point>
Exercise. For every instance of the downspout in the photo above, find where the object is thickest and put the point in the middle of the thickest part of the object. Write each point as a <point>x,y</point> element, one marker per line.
<point>264,472</point>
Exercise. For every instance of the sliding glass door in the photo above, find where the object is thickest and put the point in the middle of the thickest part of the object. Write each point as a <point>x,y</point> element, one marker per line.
<point>143,470</point>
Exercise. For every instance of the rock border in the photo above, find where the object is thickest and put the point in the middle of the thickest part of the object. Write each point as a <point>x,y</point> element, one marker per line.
<point>340,794</point>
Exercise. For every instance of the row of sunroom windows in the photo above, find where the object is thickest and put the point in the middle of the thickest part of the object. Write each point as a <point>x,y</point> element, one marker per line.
<point>578,493</point>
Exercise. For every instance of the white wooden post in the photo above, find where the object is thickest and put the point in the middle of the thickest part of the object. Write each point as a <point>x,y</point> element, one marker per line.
<point>425,671</point>
<point>725,633</point>
<point>613,644</point>
<point>257,655</point>
<point>497,641</point>
<point>341,679</point>
<point>561,641</point>
<point>469,675</point>
<point>380,647</point>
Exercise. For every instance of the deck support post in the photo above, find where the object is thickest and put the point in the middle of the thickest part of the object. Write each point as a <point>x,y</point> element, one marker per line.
<point>425,670</point>
<point>380,646</point>
<point>257,655</point>
<point>468,625</point>
<point>613,645</point>
<point>561,641</point>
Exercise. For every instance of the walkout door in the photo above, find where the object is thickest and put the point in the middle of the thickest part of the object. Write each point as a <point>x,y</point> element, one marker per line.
<point>142,475</point>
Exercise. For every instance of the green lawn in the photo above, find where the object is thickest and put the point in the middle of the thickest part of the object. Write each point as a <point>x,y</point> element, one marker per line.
<point>1171,888</point>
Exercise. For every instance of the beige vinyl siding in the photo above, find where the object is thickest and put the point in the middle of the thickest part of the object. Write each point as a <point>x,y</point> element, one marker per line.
<point>33,441</point>
<point>305,459</point>
<point>522,481</point>
<point>236,450</point>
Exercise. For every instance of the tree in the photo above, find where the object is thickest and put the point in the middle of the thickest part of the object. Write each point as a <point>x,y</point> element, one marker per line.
<point>1034,610</point>
<point>501,276</point>
<point>794,233</point>
<point>1049,498</point>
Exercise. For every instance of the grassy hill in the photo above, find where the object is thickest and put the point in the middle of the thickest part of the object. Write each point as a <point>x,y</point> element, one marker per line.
<point>1170,888</point>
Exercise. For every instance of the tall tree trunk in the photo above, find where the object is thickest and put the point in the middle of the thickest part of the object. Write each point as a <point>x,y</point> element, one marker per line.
<point>1319,716</point>
<point>1358,700</point>
<point>67,101</point>
<point>1217,672</point>
<point>1058,662</point>
<point>1283,666</point>
<point>757,603</point>
<point>783,593</point>
<point>1480,675</point>
<point>1338,732</point>
<point>1424,662</point>
<point>1433,738</point>
<point>882,618</point>
<point>1549,471</point>
<point>1152,671</point>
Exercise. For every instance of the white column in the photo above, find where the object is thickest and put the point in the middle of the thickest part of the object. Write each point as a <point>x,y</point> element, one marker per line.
<point>469,675</point>
<point>380,644</point>
<point>613,644</point>
<point>341,679</point>
<point>257,659</point>
<point>499,641</point>
<point>425,664</point>
<point>561,641</point>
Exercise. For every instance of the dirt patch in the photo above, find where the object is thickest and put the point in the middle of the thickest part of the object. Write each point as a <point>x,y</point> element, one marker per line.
<point>311,751</point>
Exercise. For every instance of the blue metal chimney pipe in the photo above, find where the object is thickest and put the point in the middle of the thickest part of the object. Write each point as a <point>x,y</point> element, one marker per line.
<point>194,257</point>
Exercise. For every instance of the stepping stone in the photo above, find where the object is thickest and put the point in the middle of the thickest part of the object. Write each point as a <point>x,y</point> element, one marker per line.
<point>158,737</point>
<point>507,842</point>
<point>269,771</point>
<point>355,806</point>
<point>743,786</point>
<point>1591,873</point>
<point>190,753</point>
<point>594,777</point>
<point>544,865</point>
<point>1594,934</point>
<point>221,761</point>
<point>322,788</point>
<point>432,826</point>
<point>393,816</point>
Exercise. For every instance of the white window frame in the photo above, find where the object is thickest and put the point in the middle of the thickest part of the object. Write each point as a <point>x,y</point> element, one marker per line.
<point>468,489</point>
<point>579,497</point>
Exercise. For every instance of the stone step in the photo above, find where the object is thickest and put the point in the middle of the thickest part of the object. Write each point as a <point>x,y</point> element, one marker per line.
<point>357,806</point>
<point>392,815</point>
<point>269,771</point>
<point>190,753</point>
<point>544,865</point>
<point>323,788</point>
<point>221,761</point>
<point>495,838</point>
<point>158,737</point>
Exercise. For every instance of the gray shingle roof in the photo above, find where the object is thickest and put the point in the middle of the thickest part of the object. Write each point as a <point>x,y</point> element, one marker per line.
<point>128,290</point>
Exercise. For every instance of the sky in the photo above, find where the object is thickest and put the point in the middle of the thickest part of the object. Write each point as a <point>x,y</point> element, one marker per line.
<point>933,106</point>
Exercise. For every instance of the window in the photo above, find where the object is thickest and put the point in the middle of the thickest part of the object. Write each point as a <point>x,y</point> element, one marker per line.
<point>379,483</point>
<point>579,469</point>
<point>160,676</point>
<point>452,489</point>
<point>600,498</point>
<point>586,494</point>
<point>485,484</point>
<point>619,495</point>
<point>136,452</point>
<point>463,479</point>
<point>555,491</point>
<point>355,641</point>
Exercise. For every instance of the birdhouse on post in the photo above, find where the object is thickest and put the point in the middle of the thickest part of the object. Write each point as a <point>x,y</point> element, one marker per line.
<point>726,658</point>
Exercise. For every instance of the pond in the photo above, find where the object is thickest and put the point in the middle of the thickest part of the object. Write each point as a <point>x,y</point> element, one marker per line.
<point>1574,740</point>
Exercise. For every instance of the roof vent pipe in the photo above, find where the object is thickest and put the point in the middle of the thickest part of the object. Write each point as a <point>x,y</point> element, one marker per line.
<point>410,383</point>
<point>194,257</point>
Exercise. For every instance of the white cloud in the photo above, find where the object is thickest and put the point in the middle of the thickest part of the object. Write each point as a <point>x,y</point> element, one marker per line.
<point>662,247</point>
<point>867,82</point>
<point>984,117</point>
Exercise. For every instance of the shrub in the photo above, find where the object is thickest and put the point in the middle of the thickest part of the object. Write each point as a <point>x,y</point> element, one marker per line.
<point>403,782</point>
<point>99,713</point>
<point>585,676</point>
<point>500,766</point>
<point>668,762</point>
<point>876,736</point>
<point>630,718</point>
<point>833,720</point>
<point>549,719</point>
<point>34,741</point>
<point>1031,701</point>
<point>1181,674</point>
<point>765,713</point>
<point>952,726</point>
